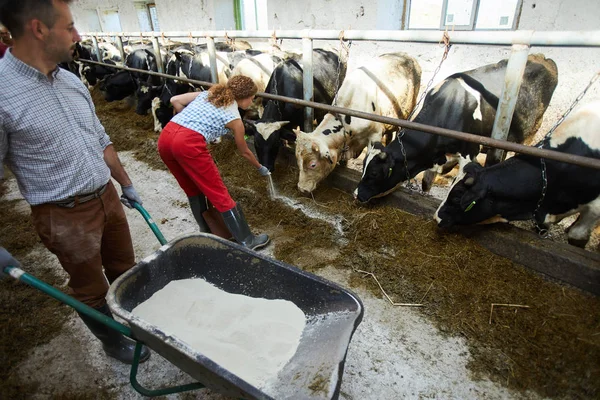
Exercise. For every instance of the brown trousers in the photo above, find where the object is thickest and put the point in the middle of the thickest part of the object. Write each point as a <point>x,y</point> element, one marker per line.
<point>85,238</point>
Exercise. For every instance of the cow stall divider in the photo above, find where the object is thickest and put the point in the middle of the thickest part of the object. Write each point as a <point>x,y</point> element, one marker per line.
<point>519,40</point>
<point>586,162</point>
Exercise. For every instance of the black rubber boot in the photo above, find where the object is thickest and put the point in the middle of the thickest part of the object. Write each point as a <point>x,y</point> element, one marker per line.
<point>114,343</point>
<point>236,222</point>
<point>198,206</point>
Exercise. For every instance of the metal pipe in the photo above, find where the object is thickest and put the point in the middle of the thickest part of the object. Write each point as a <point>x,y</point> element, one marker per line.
<point>468,137</point>
<point>589,38</point>
<point>508,99</point>
<point>307,82</point>
<point>159,59</point>
<point>119,41</point>
<point>96,48</point>
<point>212,56</point>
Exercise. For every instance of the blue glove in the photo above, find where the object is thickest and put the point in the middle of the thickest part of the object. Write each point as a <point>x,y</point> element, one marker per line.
<point>264,171</point>
<point>130,195</point>
<point>7,259</point>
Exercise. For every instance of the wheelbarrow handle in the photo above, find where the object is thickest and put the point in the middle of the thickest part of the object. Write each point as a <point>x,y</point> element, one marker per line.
<point>34,282</point>
<point>149,221</point>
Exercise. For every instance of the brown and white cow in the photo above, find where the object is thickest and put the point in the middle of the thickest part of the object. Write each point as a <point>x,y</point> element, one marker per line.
<point>386,86</point>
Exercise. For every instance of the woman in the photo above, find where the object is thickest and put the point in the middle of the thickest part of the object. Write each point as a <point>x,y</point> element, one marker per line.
<point>203,117</point>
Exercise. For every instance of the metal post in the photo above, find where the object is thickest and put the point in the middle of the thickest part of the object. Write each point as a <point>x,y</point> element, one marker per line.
<point>159,59</point>
<point>508,99</point>
<point>307,66</point>
<point>97,48</point>
<point>212,56</point>
<point>119,41</point>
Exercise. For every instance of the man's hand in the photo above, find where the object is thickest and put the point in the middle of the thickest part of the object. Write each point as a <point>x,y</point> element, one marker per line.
<point>264,171</point>
<point>130,195</point>
<point>6,259</point>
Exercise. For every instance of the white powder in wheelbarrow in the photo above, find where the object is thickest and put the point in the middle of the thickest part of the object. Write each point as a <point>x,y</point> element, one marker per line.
<point>252,338</point>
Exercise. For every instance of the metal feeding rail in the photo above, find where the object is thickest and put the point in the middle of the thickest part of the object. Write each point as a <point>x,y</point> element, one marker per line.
<point>468,137</point>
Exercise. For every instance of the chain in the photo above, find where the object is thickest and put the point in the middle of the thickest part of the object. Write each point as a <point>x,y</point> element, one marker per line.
<point>344,49</point>
<point>411,183</point>
<point>541,230</point>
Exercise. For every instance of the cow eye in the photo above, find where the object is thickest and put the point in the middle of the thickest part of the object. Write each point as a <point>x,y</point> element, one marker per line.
<point>312,165</point>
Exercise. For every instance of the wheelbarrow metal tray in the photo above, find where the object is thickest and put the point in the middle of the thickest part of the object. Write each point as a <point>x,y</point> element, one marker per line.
<point>332,313</point>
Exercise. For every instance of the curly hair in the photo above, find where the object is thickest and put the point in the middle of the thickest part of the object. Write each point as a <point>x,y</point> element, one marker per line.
<point>237,88</point>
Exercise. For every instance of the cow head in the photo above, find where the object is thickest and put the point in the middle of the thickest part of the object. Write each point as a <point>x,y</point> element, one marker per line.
<point>145,93</point>
<point>469,201</point>
<point>378,173</point>
<point>267,139</point>
<point>315,158</point>
<point>118,86</point>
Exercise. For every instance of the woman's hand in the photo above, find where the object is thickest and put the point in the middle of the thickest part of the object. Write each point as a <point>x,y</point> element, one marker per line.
<point>264,171</point>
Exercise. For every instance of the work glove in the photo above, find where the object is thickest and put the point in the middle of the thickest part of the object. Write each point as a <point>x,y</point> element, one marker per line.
<point>6,259</point>
<point>264,171</point>
<point>130,195</point>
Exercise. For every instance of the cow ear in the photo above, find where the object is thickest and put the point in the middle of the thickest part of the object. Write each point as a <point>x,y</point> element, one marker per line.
<point>472,168</point>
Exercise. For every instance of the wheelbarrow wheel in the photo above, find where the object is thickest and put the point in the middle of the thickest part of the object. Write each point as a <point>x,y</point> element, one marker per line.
<point>114,343</point>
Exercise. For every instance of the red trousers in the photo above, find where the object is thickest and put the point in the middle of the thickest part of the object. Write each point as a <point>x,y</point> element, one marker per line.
<point>86,238</point>
<point>185,154</point>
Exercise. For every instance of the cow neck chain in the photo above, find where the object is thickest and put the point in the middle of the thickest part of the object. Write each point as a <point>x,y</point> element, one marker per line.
<point>412,184</point>
<point>540,229</point>
<point>344,49</point>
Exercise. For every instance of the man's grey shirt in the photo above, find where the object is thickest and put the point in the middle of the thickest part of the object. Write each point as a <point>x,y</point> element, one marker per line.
<point>50,136</point>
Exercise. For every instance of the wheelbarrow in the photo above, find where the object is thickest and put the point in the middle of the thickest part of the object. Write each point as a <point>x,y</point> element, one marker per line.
<point>314,372</point>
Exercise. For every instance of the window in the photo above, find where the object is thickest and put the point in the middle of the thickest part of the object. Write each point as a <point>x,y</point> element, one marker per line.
<point>147,16</point>
<point>251,14</point>
<point>110,21</point>
<point>91,21</point>
<point>463,14</point>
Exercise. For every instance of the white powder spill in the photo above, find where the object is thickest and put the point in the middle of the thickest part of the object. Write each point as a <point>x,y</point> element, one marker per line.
<point>252,338</point>
<point>335,220</point>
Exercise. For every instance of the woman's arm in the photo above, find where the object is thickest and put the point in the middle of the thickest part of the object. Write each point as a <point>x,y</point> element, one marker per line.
<point>180,101</point>
<point>237,127</point>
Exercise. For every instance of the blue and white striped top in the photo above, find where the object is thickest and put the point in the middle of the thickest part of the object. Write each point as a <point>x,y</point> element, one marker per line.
<point>205,118</point>
<point>50,136</point>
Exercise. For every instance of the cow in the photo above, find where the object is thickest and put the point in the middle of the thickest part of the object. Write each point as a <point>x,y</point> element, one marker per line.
<point>512,190</point>
<point>388,86</point>
<point>279,118</point>
<point>259,68</point>
<point>125,83</point>
<point>184,64</point>
<point>467,102</point>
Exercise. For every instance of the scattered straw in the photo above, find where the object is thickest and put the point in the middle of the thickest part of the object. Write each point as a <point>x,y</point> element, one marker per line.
<point>504,305</point>
<point>386,295</point>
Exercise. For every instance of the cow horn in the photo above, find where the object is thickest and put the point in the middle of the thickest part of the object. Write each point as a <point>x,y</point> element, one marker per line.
<point>249,122</point>
<point>383,155</point>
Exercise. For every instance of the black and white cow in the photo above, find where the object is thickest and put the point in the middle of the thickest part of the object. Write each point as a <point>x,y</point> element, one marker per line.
<point>465,102</point>
<point>279,118</point>
<point>184,64</point>
<point>124,83</point>
<point>386,85</point>
<point>511,190</point>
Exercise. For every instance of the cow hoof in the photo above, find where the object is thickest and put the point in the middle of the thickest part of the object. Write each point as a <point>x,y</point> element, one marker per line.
<point>578,242</point>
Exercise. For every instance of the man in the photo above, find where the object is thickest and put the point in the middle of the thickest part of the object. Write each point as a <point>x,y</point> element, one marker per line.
<point>5,40</point>
<point>63,160</point>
